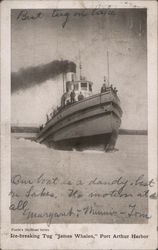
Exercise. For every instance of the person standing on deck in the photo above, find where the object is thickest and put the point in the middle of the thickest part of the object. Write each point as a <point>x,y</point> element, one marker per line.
<point>115,90</point>
<point>72,96</point>
<point>64,97</point>
<point>80,96</point>
<point>104,87</point>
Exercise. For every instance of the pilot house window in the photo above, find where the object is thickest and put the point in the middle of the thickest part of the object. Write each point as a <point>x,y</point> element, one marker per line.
<point>90,87</point>
<point>83,85</point>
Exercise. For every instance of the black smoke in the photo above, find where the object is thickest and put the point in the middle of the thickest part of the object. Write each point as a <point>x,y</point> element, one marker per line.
<point>26,78</point>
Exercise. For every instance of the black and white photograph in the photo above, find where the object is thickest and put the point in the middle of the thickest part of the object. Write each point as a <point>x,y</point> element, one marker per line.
<point>79,84</point>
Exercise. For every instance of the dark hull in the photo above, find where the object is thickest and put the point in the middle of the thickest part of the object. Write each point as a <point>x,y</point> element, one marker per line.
<point>104,142</point>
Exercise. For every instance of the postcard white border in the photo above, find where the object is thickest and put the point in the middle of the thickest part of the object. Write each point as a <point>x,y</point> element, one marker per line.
<point>150,228</point>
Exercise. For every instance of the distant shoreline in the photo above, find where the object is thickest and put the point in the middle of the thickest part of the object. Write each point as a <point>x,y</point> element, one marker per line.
<point>25,129</point>
<point>132,132</point>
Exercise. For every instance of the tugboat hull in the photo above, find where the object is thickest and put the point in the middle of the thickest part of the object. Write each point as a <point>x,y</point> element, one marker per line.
<point>96,132</point>
<point>93,122</point>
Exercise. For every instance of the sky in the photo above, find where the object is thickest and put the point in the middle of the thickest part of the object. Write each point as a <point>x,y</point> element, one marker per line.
<point>42,36</point>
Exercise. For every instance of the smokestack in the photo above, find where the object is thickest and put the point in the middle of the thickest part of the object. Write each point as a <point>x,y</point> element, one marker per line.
<point>29,77</point>
<point>70,73</point>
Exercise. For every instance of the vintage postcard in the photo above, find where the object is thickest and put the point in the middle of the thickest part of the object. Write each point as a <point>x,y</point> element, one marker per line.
<point>79,125</point>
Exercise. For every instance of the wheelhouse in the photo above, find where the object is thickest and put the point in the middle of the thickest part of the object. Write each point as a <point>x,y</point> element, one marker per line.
<point>83,86</point>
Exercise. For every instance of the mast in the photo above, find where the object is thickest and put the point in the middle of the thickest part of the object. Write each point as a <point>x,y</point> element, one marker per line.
<point>63,83</point>
<point>80,66</point>
<point>108,67</point>
<point>80,71</point>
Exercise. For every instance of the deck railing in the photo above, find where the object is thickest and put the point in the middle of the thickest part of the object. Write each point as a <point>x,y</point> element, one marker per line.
<point>64,111</point>
<point>67,106</point>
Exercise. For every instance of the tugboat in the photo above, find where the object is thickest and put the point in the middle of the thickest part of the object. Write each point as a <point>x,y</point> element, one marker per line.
<point>83,120</point>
